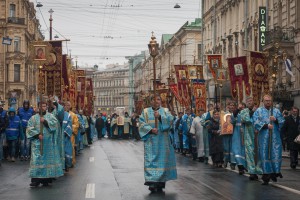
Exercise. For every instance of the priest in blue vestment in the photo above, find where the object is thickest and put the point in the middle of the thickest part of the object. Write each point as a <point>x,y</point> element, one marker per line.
<point>268,121</point>
<point>45,163</point>
<point>159,156</point>
<point>67,132</point>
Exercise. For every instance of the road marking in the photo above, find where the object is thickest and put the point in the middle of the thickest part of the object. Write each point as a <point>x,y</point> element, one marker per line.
<point>270,183</point>
<point>90,191</point>
<point>92,159</point>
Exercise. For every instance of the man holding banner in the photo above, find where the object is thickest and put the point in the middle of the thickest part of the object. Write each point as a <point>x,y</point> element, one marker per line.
<point>45,161</point>
<point>267,121</point>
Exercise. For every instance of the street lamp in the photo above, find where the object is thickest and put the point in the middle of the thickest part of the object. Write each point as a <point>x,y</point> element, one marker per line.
<point>153,50</point>
<point>177,5</point>
<point>51,12</point>
<point>76,57</point>
<point>39,4</point>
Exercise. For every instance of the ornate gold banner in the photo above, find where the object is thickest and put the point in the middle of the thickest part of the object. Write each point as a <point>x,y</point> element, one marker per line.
<point>260,73</point>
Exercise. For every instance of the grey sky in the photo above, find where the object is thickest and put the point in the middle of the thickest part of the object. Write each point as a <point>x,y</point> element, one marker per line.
<point>105,31</point>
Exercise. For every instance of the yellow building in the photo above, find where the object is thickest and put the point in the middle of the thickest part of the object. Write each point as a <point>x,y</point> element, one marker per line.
<point>18,25</point>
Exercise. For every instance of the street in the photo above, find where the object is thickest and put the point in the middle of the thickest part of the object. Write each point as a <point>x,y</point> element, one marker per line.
<point>113,170</point>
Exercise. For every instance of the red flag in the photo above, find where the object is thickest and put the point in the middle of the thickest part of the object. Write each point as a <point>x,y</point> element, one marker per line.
<point>199,91</point>
<point>174,90</point>
<point>183,84</point>
<point>260,73</point>
<point>215,63</point>
<point>238,71</point>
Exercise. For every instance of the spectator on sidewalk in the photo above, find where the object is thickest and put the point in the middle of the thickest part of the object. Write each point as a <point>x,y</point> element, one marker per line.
<point>3,125</point>
<point>13,132</point>
<point>290,131</point>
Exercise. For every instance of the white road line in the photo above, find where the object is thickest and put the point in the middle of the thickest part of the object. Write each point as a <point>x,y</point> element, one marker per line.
<point>92,159</point>
<point>271,183</point>
<point>90,191</point>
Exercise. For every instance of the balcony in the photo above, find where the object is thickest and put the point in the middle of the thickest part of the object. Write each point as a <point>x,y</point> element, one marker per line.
<point>16,20</point>
<point>285,37</point>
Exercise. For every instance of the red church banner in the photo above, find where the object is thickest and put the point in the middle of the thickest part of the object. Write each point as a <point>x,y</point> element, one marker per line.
<point>260,73</point>
<point>183,84</point>
<point>215,63</point>
<point>239,77</point>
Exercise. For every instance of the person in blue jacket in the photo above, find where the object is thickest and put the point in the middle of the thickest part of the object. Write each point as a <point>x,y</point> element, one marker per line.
<point>25,113</point>
<point>13,132</point>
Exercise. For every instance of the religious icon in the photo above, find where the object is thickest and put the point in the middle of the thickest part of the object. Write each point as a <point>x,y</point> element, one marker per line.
<point>199,93</point>
<point>120,121</point>
<point>259,70</point>
<point>182,74</point>
<point>238,70</point>
<point>192,72</point>
<point>227,127</point>
<point>40,52</point>
<point>52,59</point>
<point>215,63</point>
<point>221,74</point>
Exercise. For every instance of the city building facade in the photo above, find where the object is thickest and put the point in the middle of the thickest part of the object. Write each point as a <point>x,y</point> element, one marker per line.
<point>111,88</point>
<point>182,47</point>
<point>18,28</point>
<point>231,29</point>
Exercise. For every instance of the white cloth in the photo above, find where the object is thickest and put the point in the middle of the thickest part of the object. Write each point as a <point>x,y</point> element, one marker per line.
<point>197,130</point>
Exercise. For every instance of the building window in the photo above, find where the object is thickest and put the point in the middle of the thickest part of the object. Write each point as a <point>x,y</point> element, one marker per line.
<point>12,10</point>
<point>17,72</point>
<point>17,44</point>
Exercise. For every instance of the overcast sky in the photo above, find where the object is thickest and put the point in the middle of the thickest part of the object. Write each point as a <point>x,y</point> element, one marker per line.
<point>105,31</point>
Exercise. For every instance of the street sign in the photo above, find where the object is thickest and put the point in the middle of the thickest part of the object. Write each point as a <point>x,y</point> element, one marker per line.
<point>6,41</point>
<point>262,25</point>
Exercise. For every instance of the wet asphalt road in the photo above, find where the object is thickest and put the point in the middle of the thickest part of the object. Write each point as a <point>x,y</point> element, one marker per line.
<point>113,170</point>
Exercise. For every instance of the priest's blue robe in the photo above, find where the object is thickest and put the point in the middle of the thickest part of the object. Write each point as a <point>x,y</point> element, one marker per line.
<point>269,145</point>
<point>48,164</point>
<point>159,156</point>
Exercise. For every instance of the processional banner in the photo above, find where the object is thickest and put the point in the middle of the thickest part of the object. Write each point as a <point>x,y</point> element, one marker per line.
<point>214,63</point>
<point>174,89</point>
<point>183,84</point>
<point>89,95</point>
<point>80,88</point>
<point>199,92</point>
<point>239,77</point>
<point>260,73</point>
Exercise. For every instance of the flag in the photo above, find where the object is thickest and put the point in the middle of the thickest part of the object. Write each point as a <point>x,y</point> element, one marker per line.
<point>174,90</point>
<point>199,93</point>
<point>215,63</point>
<point>260,75</point>
<point>288,67</point>
<point>238,71</point>
<point>183,84</point>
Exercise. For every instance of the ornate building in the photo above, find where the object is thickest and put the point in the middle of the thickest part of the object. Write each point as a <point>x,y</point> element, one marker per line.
<point>18,27</point>
<point>231,29</point>
<point>111,89</point>
<point>183,47</point>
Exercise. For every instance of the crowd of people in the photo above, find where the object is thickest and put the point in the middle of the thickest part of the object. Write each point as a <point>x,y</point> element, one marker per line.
<point>52,136</point>
<point>255,144</point>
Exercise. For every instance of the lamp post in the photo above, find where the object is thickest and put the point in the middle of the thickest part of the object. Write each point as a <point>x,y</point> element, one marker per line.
<point>76,60</point>
<point>153,50</point>
<point>51,12</point>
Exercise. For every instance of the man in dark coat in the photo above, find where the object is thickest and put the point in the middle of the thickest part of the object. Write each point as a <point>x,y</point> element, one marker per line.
<point>291,130</point>
<point>99,126</point>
